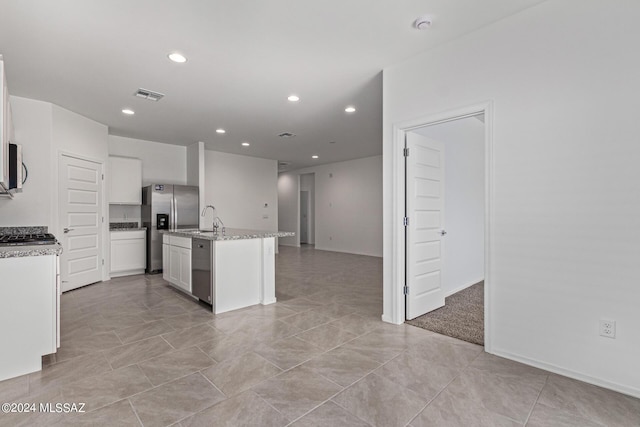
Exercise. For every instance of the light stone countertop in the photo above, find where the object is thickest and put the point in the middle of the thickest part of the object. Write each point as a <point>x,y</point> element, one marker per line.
<point>128,229</point>
<point>30,250</point>
<point>229,234</point>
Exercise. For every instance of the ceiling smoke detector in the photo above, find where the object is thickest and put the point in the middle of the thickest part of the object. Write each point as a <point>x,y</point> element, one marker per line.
<point>149,94</point>
<point>423,22</point>
<point>287,135</point>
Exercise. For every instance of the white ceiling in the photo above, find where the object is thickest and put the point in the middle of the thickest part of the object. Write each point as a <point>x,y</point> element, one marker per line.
<point>244,59</point>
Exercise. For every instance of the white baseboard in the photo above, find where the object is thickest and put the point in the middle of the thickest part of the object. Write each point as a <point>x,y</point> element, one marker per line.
<point>287,244</point>
<point>319,248</point>
<point>460,288</point>
<point>621,388</point>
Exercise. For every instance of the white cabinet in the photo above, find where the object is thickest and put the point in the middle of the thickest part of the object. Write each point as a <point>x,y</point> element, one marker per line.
<point>128,252</point>
<point>125,181</point>
<point>5,128</point>
<point>29,315</point>
<point>176,261</point>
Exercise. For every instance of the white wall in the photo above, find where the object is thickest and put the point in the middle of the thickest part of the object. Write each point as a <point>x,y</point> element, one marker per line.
<point>78,135</point>
<point>161,163</point>
<point>196,172</point>
<point>239,187</point>
<point>348,206</point>
<point>289,207</point>
<point>308,183</point>
<point>32,122</point>
<point>565,209</point>
<point>463,245</point>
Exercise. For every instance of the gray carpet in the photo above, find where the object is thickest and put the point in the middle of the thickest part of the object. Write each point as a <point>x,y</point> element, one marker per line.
<point>461,317</point>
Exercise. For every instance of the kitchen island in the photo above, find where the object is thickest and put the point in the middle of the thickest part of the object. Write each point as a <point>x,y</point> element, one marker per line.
<point>229,269</point>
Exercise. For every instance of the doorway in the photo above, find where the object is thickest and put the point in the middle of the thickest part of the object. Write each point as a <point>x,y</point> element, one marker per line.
<point>445,240</point>
<point>304,217</point>
<point>399,258</point>
<point>307,208</point>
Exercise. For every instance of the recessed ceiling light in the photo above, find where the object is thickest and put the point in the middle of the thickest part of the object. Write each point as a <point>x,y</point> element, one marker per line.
<point>245,144</point>
<point>176,57</point>
<point>220,130</point>
<point>314,157</point>
<point>128,112</point>
<point>293,98</point>
<point>350,109</point>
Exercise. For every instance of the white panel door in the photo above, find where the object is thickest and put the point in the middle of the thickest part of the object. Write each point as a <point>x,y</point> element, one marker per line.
<point>425,210</point>
<point>81,221</point>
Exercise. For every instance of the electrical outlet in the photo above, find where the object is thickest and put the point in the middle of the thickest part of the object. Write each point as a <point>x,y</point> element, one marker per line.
<point>608,328</point>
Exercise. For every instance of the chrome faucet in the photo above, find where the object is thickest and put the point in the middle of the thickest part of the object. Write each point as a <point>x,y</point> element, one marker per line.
<point>217,222</point>
<point>204,211</point>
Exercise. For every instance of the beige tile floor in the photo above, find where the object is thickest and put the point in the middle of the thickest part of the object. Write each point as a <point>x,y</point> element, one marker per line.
<point>139,353</point>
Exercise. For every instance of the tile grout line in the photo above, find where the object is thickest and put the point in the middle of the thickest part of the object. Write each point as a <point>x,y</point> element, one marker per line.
<point>546,380</point>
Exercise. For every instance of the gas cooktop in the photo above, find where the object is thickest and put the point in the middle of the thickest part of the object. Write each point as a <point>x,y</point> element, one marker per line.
<point>27,239</point>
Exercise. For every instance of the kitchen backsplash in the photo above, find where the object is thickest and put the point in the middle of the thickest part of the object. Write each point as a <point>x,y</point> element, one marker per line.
<point>124,213</point>
<point>36,229</point>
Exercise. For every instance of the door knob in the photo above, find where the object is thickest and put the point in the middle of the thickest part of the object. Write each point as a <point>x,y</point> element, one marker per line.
<point>443,232</point>
<point>66,230</point>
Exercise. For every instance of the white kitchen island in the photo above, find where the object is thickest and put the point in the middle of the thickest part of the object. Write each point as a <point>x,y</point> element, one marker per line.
<point>241,265</point>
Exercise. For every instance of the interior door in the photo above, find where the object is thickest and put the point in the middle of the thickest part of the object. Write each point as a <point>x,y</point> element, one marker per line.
<point>80,216</point>
<point>425,213</point>
<point>304,217</point>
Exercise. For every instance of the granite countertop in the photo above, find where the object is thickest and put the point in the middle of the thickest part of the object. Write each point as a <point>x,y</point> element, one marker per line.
<point>30,250</point>
<point>229,234</point>
<point>125,226</point>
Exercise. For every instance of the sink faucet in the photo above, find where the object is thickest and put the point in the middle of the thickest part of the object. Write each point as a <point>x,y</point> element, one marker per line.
<point>217,222</point>
<point>204,211</point>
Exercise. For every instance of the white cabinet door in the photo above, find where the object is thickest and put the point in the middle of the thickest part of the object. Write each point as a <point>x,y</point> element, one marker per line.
<point>185,269</point>
<point>127,255</point>
<point>179,266</point>
<point>4,131</point>
<point>174,264</point>
<point>125,181</point>
<point>165,262</point>
<point>128,252</point>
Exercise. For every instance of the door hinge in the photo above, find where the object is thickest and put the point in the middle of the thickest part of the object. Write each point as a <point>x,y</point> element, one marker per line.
<point>405,152</point>
<point>405,290</point>
<point>103,262</point>
<point>405,221</point>
<point>103,219</point>
<point>103,177</point>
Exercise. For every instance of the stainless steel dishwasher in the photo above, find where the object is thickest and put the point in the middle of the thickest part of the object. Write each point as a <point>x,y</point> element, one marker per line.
<point>202,270</point>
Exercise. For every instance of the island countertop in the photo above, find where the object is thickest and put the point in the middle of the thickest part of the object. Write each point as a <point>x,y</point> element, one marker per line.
<point>229,234</point>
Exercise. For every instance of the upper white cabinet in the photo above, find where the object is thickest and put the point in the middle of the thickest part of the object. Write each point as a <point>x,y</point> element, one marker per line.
<point>6,128</point>
<point>125,181</point>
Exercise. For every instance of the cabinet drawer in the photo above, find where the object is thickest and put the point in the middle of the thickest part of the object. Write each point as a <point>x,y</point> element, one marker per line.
<point>166,239</point>
<point>182,242</point>
<point>126,235</point>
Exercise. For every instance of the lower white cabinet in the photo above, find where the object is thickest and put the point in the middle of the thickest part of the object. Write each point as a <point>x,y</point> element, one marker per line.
<point>29,313</point>
<point>128,252</point>
<point>176,261</point>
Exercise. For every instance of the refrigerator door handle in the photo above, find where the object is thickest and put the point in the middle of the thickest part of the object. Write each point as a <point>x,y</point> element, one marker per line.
<point>175,213</point>
<point>172,214</point>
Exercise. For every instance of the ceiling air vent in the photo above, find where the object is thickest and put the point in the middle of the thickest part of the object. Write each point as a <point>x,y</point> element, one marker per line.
<point>283,165</point>
<point>287,135</point>
<point>149,94</point>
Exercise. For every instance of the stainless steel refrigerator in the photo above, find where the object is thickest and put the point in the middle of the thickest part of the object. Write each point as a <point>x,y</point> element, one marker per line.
<point>166,207</point>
